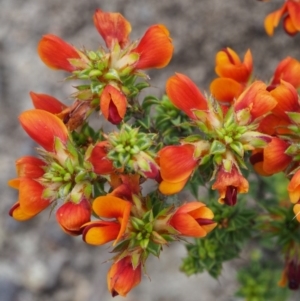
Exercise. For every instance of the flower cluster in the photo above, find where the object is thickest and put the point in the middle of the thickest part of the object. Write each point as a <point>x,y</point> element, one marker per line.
<point>94,180</point>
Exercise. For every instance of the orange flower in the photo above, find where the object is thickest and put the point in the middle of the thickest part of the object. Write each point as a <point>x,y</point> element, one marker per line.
<point>31,201</point>
<point>56,53</point>
<point>272,159</point>
<point>229,184</point>
<point>290,11</point>
<point>257,99</point>
<point>185,95</point>
<point>47,103</point>
<point>113,27</point>
<point>233,73</point>
<point>71,216</point>
<point>193,219</point>
<point>287,70</point>
<point>101,232</point>
<point>30,167</point>
<point>28,170</point>
<point>176,165</point>
<point>113,104</point>
<point>225,89</point>
<point>287,100</point>
<point>229,65</point>
<point>155,48</point>
<point>123,276</point>
<point>101,165</point>
<point>43,127</point>
<point>294,187</point>
<point>124,186</point>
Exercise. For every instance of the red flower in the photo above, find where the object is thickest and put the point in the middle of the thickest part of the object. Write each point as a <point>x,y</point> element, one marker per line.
<point>193,219</point>
<point>123,277</point>
<point>56,53</point>
<point>71,216</point>
<point>101,165</point>
<point>113,104</point>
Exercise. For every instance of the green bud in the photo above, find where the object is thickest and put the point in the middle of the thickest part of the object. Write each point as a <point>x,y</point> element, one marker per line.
<point>69,165</point>
<point>81,176</point>
<point>92,55</point>
<point>57,179</point>
<point>238,148</point>
<point>139,236</point>
<point>148,227</point>
<point>217,147</point>
<point>112,74</point>
<point>137,223</point>
<point>95,73</point>
<point>144,243</point>
<point>67,177</point>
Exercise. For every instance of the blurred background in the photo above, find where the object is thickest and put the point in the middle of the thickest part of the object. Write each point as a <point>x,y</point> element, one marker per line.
<point>37,260</point>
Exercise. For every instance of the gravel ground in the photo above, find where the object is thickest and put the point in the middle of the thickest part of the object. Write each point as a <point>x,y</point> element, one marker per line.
<point>38,262</point>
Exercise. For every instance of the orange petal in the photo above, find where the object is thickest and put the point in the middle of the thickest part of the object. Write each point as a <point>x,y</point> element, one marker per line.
<point>71,216</point>
<point>296,210</point>
<point>228,65</point>
<point>17,213</point>
<point>30,197</point>
<point>112,27</point>
<point>47,103</point>
<point>185,95</point>
<point>287,70</point>
<point>101,165</point>
<point>287,100</point>
<point>272,124</point>
<point>155,48</point>
<point>248,61</point>
<point>257,99</point>
<point>168,188</point>
<point>225,89</point>
<point>190,207</point>
<point>272,19</point>
<point>289,26</point>
<point>43,127</point>
<point>55,53</point>
<point>30,167</point>
<point>14,183</point>
<point>113,104</point>
<point>110,206</point>
<point>275,160</point>
<point>122,277</point>
<point>294,187</point>
<point>293,8</point>
<point>177,162</point>
<point>100,232</point>
<point>187,225</point>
